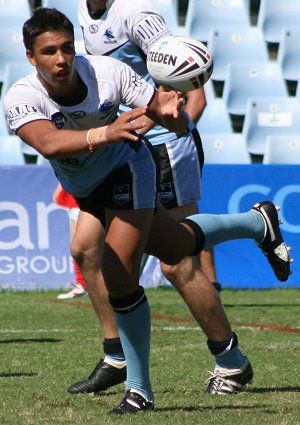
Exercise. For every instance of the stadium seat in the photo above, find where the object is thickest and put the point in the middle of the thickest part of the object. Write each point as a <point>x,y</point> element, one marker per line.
<point>168,11</point>
<point>14,13</point>
<point>282,149</point>
<point>274,15</point>
<point>209,90</point>
<point>69,8</point>
<point>3,126</point>
<point>13,72</point>
<point>203,15</point>
<point>11,47</point>
<point>215,118</point>
<point>269,116</point>
<point>297,93</point>
<point>10,151</point>
<point>244,81</point>
<point>225,149</point>
<point>241,45</point>
<point>42,161</point>
<point>289,53</point>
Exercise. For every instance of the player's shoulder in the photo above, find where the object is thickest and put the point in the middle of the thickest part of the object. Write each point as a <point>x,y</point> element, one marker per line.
<point>101,62</point>
<point>81,4</point>
<point>99,67</point>
<point>23,85</point>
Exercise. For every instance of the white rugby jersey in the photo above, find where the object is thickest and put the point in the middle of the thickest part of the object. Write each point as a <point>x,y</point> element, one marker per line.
<point>109,82</point>
<point>126,31</point>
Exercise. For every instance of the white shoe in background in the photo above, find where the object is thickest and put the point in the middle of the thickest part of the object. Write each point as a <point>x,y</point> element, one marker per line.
<point>77,291</point>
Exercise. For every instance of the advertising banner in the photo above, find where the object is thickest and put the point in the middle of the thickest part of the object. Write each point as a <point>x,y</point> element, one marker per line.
<point>236,188</point>
<point>35,233</point>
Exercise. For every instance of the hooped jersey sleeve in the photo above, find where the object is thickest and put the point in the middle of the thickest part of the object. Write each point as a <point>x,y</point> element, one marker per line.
<point>24,103</point>
<point>143,23</point>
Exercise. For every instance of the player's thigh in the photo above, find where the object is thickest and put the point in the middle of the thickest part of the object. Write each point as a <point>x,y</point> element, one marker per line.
<point>169,240</point>
<point>183,211</point>
<point>127,234</point>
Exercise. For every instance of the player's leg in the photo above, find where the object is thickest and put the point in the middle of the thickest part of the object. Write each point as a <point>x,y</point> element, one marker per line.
<point>233,370</point>
<point>261,224</point>
<point>127,220</point>
<point>208,265</point>
<point>79,287</point>
<point>86,249</point>
<point>127,233</point>
<point>206,307</point>
<point>197,291</point>
<point>74,215</point>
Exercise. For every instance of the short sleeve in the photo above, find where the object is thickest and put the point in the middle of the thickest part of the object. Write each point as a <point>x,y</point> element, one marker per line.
<point>22,105</point>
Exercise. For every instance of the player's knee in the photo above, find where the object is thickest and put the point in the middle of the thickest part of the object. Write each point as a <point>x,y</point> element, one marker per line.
<point>77,251</point>
<point>168,270</point>
<point>172,273</point>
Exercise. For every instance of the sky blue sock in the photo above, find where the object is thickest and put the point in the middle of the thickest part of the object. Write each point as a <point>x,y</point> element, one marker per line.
<point>220,228</point>
<point>232,359</point>
<point>119,357</point>
<point>135,330</point>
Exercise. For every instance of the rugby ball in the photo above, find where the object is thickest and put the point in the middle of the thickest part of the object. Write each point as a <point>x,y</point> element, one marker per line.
<point>180,63</point>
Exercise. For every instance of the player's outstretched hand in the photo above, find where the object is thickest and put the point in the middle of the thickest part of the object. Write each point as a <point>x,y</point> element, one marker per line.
<point>125,126</point>
<point>170,103</point>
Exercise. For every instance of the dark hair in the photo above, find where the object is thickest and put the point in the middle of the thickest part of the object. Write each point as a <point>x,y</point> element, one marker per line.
<point>42,20</point>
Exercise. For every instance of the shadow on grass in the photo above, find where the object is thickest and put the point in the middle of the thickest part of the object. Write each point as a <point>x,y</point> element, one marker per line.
<point>17,374</point>
<point>214,408</point>
<point>260,305</point>
<point>274,390</point>
<point>30,340</point>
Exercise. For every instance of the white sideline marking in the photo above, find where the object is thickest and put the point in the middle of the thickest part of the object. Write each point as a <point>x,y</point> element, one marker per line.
<point>176,328</point>
<point>154,328</point>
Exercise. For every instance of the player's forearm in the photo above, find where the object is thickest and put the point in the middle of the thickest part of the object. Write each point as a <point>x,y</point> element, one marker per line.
<point>55,144</point>
<point>195,104</point>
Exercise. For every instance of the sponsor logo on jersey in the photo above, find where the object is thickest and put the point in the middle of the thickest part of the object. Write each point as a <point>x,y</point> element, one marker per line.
<point>109,37</point>
<point>77,115</point>
<point>93,29</point>
<point>58,119</point>
<point>122,194</point>
<point>105,106</point>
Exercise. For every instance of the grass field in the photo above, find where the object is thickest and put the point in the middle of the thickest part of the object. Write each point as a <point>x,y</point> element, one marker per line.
<point>48,344</point>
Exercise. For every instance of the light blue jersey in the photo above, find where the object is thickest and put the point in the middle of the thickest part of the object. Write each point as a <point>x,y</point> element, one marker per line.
<point>126,31</point>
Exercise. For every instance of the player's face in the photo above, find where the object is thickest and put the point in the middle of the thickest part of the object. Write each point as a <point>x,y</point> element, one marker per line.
<point>53,56</point>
